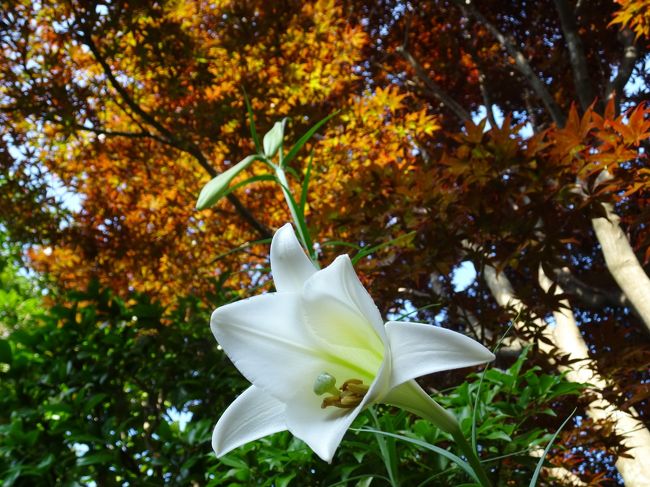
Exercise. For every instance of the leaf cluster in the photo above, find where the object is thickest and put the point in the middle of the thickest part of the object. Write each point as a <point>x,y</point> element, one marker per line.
<point>91,390</point>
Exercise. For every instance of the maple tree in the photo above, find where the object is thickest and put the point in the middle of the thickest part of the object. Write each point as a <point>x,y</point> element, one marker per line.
<point>134,106</point>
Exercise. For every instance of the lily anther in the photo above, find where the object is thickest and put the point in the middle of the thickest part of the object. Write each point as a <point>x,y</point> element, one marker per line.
<point>349,395</point>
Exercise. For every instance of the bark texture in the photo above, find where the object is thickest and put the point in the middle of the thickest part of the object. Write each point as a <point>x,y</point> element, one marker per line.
<point>622,263</point>
<point>568,340</point>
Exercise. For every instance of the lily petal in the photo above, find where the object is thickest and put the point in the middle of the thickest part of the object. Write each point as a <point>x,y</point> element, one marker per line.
<point>266,339</point>
<point>290,266</point>
<point>340,311</point>
<point>419,349</point>
<point>411,397</point>
<point>253,415</point>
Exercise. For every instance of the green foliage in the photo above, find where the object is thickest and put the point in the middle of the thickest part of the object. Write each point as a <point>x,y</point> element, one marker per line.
<point>514,417</point>
<point>90,388</point>
<point>19,296</point>
<point>87,389</point>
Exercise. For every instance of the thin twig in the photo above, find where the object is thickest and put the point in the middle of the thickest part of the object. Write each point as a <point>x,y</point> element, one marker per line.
<point>521,62</point>
<point>167,136</point>
<point>626,66</point>
<point>434,88</point>
<point>576,53</point>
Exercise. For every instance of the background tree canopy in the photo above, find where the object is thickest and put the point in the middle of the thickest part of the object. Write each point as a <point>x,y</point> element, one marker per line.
<point>508,138</point>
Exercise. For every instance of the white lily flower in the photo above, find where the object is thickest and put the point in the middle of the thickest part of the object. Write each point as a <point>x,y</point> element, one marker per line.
<point>317,352</point>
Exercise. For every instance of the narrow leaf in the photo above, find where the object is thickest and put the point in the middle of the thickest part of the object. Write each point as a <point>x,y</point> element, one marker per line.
<point>387,450</point>
<point>339,243</point>
<point>303,140</point>
<point>423,444</point>
<point>246,182</point>
<point>217,188</point>
<point>540,464</point>
<point>251,121</point>
<point>305,185</point>
<point>480,384</point>
<point>366,251</point>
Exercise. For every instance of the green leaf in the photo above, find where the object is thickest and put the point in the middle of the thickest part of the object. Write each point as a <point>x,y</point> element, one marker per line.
<point>285,480</point>
<point>423,444</point>
<point>218,187</point>
<point>273,138</point>
<point>5,352</point>
<point>84,438</point>
<point>251,120</point>
<point>95,458</point>
<point>25,338</point>
<point>365,251</point>
<point>303,140</point>
<point>305,185</point>
<point>231,461</point>
<point>498,435</point>
<point>45,463</point>
<point>247,181</point>
<point>31,437</point>
<point>387,450</point>
<point>94,401</point>
<point>480,384</point>
<point>365,482</point>
<point>540,464</point>
<point>10,476</point>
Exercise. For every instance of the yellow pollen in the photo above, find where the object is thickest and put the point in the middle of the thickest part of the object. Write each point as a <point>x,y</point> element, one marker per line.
<point>348,396</point>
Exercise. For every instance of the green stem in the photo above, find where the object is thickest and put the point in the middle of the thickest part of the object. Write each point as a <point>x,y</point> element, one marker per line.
<point>472,457</point>
<point>411,397</point>
<point>299,221</point>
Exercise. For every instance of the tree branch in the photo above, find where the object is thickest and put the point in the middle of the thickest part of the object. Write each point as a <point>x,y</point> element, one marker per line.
<point>566,338</point>
<point>531,112</point>
<point>511,346</point>
<point>576,53</point>
<point>88,40</point>
<point>589,295</point>
<point>168,137</point>
<point>635,467</point>
<point>622,262</point>
<point>113,133</point>
<point>487,99</point>
<point>434,88</point>
<point>521,63</point>
<point>626,67</point>
<point>485,93</point>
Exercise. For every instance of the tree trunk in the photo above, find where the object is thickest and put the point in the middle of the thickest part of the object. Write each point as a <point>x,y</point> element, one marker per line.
<point>622,262</point>
<point>567,338</point>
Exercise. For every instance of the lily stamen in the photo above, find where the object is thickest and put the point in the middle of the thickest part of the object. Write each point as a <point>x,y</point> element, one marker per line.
<point>349,395</point>
<point>325,382</point>
<point>349,401</point>
<point>355,387</point>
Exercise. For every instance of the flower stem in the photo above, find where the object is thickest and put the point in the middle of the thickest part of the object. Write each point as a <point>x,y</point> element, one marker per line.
<point>411,397</point>
<point>472,457</point>
<point>299,220</point>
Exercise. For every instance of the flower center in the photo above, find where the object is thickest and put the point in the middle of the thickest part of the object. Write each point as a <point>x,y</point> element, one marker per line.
<point>349,395</point>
